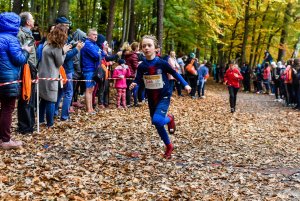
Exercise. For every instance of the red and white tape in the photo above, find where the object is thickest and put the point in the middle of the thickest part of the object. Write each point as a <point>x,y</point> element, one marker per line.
<point>55,79</point>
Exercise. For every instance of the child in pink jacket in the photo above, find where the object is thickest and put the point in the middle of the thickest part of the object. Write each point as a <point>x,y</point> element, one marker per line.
<point>121,72</point>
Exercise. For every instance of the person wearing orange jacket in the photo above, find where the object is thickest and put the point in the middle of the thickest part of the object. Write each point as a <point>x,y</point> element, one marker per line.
<point>232,79</point>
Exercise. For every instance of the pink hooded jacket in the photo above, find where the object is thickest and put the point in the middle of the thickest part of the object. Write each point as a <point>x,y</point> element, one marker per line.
<point>121,71</point>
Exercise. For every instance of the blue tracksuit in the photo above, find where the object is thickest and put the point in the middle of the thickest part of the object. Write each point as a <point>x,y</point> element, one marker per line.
<point>157,86</point>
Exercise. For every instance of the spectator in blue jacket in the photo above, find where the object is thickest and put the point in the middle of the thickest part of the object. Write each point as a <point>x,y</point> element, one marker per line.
<point>12,58</point>
<point>203,74</point>
<point>90,60</point>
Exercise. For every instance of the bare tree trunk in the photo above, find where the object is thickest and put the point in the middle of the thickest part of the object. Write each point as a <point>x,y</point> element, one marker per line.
<point>25,5</point>
<point>109,30</point>
<point>17,6</point>
<point>284,31</point>
<point>232,38</point>
<point>154,15</point>
<point>246,32</point>
<point>51,9</point>
<point>93,13</point>
<point>124,21</point>
<point>32,6</point>
<point>297,48</point>
<point>128,19</point>
<point>260,35</point>
<point>102,24</point>
<point>63,8</point>
<point>160,23</point>
<point>131,36</point>
<point>253,35</point>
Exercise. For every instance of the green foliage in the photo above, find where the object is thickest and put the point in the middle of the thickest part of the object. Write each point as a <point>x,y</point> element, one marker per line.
<point>190,24</point>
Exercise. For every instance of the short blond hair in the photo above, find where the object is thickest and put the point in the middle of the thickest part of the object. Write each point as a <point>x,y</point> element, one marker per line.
<point>91,30</point>
<point>151,37</point>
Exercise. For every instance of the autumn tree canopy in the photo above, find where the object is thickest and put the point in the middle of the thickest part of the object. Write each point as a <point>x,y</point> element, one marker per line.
<point>217,30</point>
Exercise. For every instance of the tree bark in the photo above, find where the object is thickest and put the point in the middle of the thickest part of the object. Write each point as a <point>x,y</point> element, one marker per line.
<point>103,19</point>
<point>160,23</point>
<point>233,35</point>
<point>124,21</point>
<point>152,26</point>
<point>32,6</point>
<point>17,6</point>
<point>110,26</point>
<point>131,36</point>
<point>260,35</point>
<point>63,8</point>
<point>246,32</point>
<point>284,31</point>
<point>297,48</point>
<point>52,9</point>
<point>93,13</point>
<point>128,19</point>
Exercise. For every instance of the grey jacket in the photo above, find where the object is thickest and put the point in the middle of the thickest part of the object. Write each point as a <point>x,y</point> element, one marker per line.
<point>52,59</point>
<point>24,37</point>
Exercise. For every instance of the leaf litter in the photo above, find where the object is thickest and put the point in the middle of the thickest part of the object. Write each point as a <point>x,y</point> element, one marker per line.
<point>252,154</point>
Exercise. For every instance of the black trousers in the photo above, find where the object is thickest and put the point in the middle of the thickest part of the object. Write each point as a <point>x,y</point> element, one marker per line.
<point>103,92</point>
<point>193,84</point>
<point>128,92</point>
<point>26,116</point>
<point>232,96</point>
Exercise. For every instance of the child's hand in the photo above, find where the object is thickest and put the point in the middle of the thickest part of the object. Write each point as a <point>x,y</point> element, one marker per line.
<point>132,86</point>
<point>188,88</point>
<point>236,75</point>
<point>121,76</point>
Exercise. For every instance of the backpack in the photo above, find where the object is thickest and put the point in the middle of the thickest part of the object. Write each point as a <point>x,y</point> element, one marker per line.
<point>190,68</point>
<point>99,74</point>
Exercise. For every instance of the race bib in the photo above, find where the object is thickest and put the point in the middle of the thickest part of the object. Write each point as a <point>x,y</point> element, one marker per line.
<point>153,81</point>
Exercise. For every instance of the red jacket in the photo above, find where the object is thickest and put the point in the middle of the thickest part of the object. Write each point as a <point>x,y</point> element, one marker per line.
<point>231,80</point>
<point>132,61</point>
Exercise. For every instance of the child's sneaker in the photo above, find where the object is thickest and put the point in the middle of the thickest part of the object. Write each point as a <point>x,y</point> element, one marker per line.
<point>171,124</point>
<point>11,144</point>
<point>169,149</point>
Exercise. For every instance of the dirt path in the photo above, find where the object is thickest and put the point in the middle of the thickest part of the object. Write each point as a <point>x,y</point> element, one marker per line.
<point>252,154</point>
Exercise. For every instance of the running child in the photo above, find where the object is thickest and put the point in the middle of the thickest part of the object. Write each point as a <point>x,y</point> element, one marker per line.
<point>153,71</point>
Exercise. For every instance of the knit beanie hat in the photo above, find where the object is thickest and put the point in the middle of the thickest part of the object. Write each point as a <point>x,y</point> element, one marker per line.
<point>192,55</point>
<point>62,20</point>
<point>121,61</point>
<point>100,40</point>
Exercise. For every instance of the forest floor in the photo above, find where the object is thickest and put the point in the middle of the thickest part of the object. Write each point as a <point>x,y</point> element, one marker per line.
<point>252,154</point>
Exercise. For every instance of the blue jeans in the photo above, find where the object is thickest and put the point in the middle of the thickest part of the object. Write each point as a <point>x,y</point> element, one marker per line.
<point>135,94</point>
<point>67,94</point>
<point>48,108</point>
<point>201,88</point>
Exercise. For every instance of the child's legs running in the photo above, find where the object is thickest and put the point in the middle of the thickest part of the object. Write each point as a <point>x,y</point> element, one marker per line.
<point>159,119</point>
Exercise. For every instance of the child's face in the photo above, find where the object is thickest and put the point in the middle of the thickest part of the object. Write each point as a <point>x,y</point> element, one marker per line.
<point>148,48</point>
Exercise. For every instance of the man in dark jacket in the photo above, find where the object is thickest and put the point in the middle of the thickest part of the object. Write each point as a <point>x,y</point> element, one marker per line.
<point>12,58</point>
<point>26,116</point>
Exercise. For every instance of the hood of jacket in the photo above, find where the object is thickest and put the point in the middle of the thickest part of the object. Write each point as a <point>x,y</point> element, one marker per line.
<point>79,35</point>
<point>9,23</point>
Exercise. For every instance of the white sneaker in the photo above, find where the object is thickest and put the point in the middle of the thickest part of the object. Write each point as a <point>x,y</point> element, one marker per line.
<point>203,96</point>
